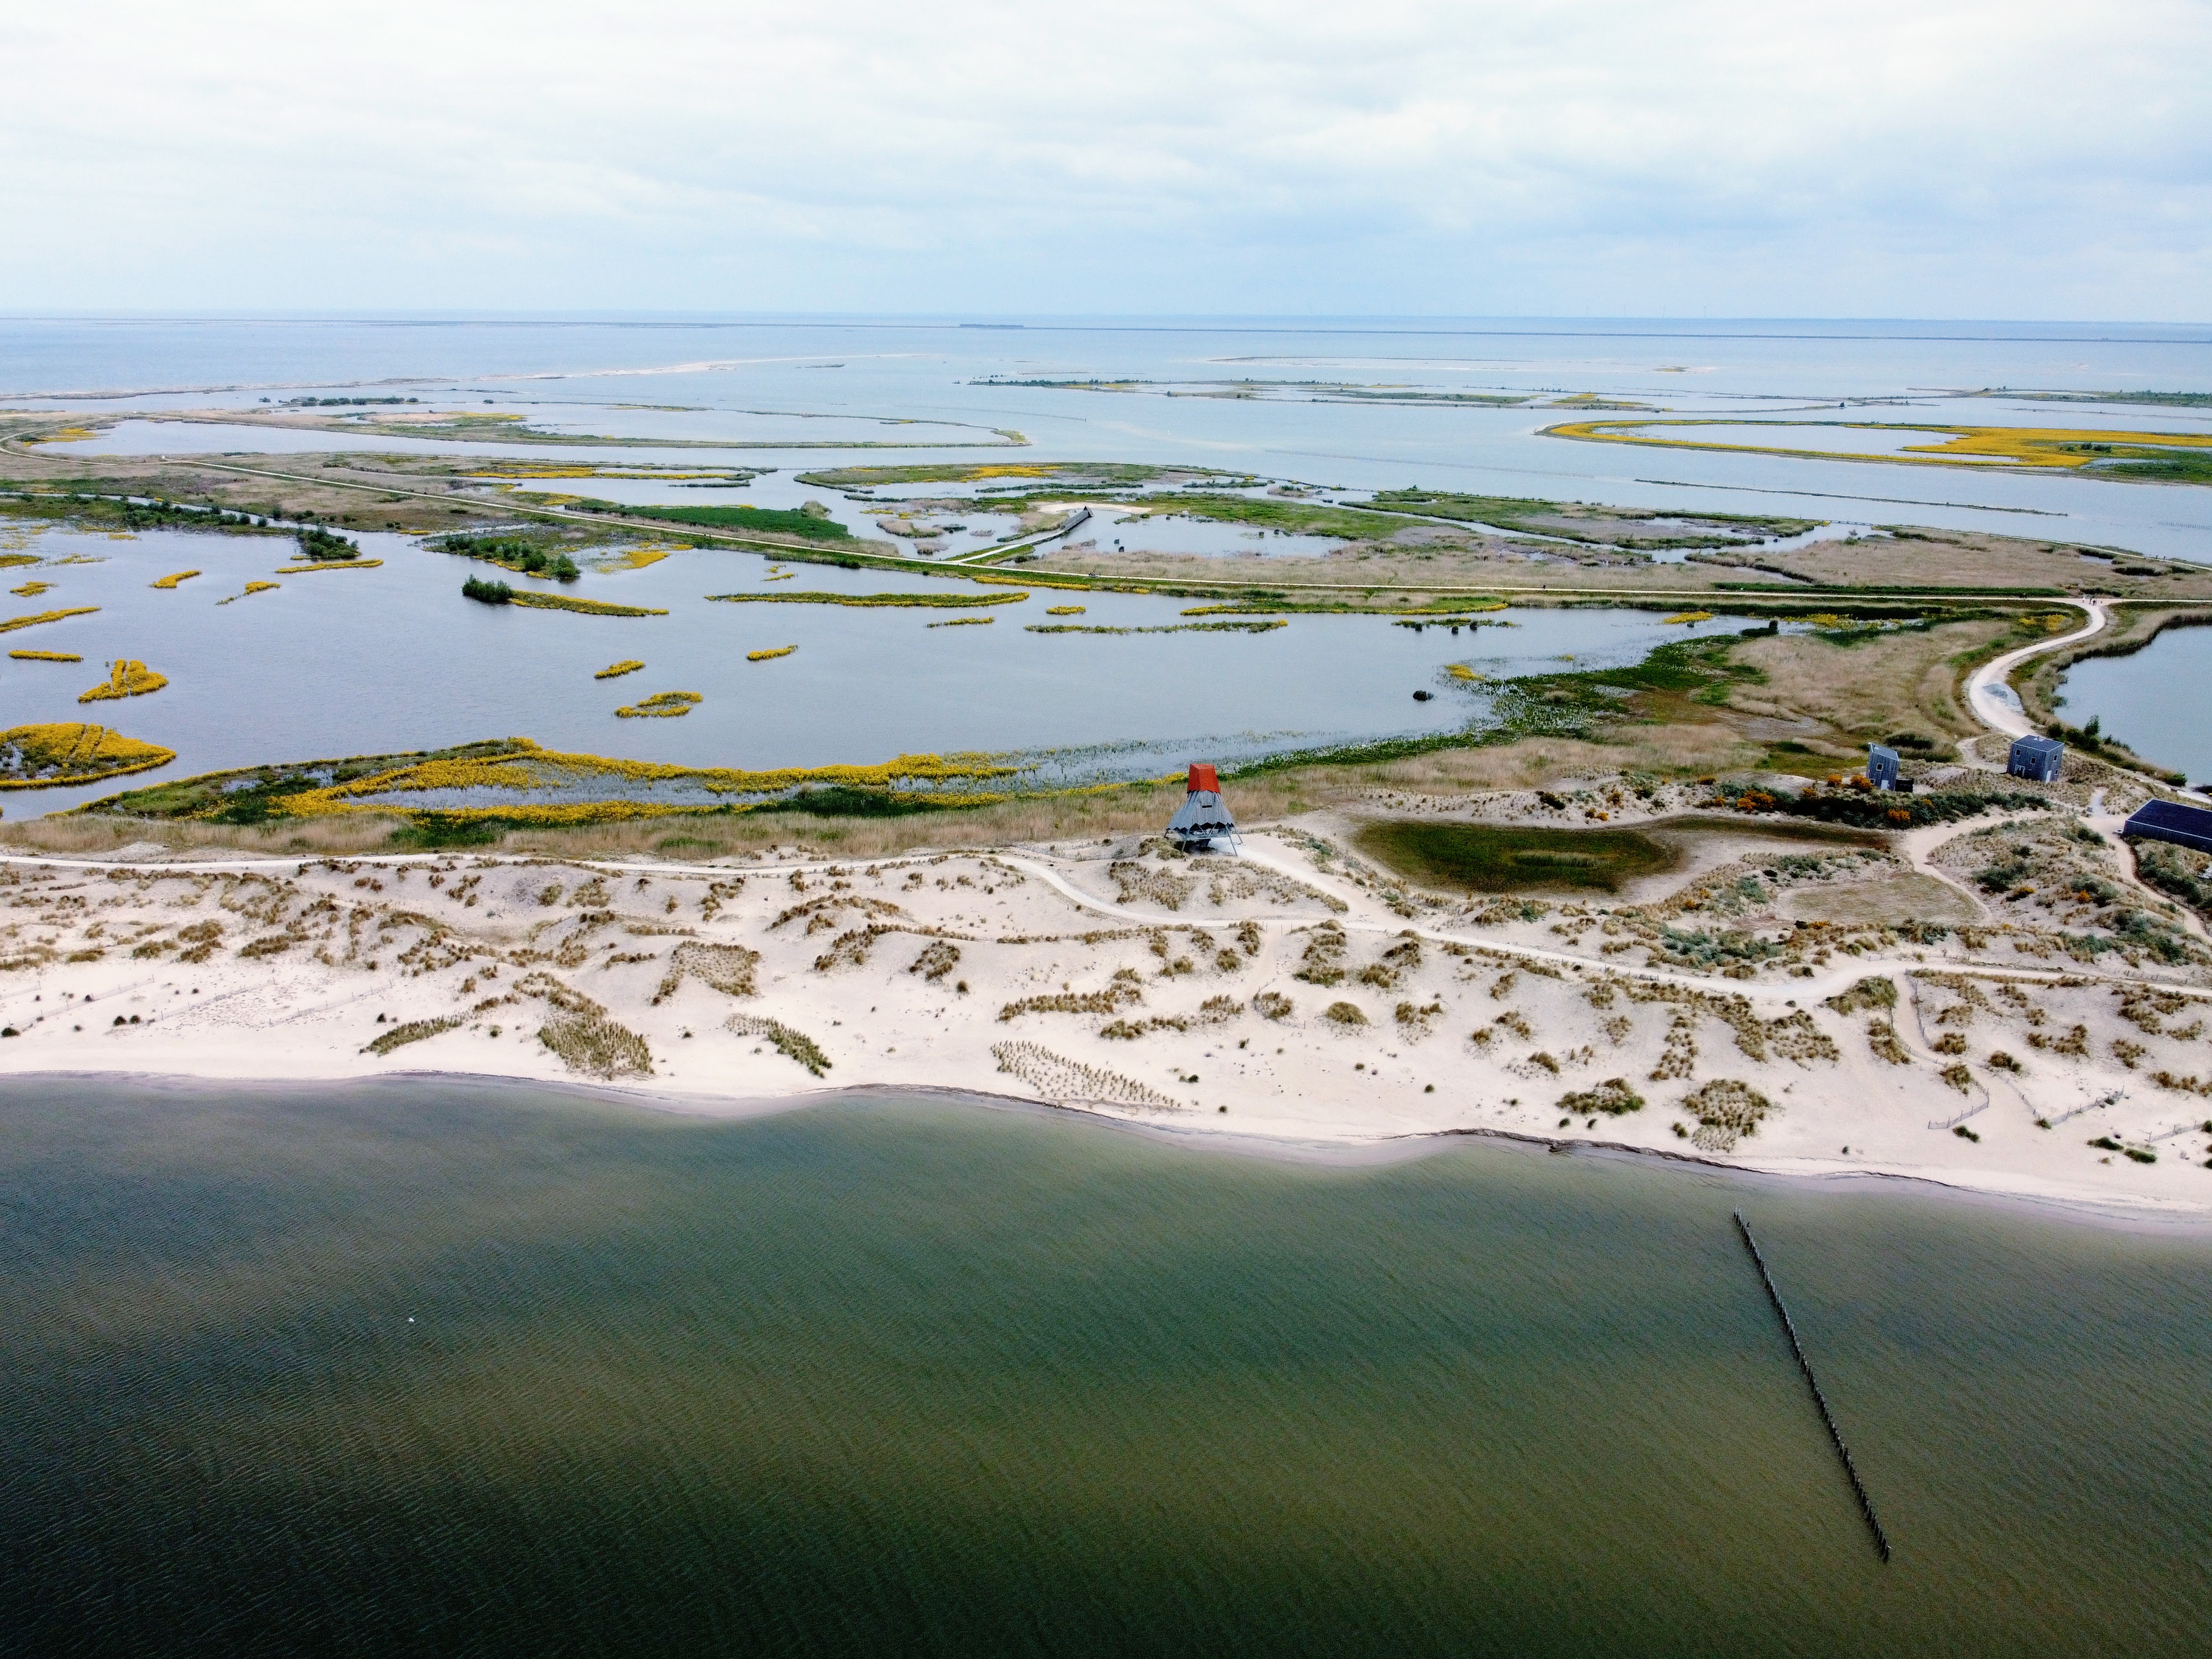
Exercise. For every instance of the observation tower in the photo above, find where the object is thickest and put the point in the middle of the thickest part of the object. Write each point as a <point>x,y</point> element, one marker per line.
<point>1203,818</point>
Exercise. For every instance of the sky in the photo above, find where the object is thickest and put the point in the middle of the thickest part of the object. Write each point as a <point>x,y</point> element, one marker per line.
<point>1612,158</point>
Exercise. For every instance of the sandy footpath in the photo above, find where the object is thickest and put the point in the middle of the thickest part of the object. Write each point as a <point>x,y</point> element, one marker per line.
<point>1280,997</point>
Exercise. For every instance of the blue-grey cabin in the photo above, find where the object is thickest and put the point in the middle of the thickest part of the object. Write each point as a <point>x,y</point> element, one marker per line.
<point>1881,765</point>
<point>2040,760</point>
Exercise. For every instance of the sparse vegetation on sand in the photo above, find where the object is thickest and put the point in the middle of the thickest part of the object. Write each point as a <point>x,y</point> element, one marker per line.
<point>790,1044</point>
<point>729,968</point>
<point>1612,1097</point>
<point>593,1044</point>
<point>1725,1110</point>
<point>414,1031</point>
<point>1056,1077</point>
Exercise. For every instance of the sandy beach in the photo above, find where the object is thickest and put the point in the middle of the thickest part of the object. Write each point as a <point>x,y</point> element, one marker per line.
<point>1292,996</point>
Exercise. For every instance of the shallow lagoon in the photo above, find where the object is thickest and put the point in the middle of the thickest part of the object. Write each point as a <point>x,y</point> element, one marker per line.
<point>344,662</point>
<point>2152,701</point>
<point>442,1367</point>
<point>932,371</point>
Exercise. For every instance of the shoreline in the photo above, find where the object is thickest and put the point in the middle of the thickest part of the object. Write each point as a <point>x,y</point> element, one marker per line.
<point>1295,1001</point>
<point>2140,1215</point>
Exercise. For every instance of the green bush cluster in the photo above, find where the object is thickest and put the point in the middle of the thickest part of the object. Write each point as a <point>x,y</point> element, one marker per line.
<point>515,553</point>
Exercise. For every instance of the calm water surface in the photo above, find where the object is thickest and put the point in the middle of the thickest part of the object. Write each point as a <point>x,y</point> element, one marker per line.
<point>349,662</point>
<point>431,1367</point>
<point>743,380</point>
<point>2152,701</point>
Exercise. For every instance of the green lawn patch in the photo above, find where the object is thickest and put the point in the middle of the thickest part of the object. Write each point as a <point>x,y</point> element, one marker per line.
<point>1484,858</point>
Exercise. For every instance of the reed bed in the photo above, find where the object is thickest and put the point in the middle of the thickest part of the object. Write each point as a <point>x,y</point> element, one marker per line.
<point>126,679</point>
<point>661,705</point>
<point>12,623</point>
<point>876,601</point>
<point>68,752</point>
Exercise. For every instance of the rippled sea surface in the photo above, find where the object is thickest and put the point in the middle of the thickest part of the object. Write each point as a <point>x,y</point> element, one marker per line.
<point>430,1367</point>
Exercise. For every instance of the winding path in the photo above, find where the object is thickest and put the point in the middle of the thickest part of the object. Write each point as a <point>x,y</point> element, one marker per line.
<point>1981,698</point>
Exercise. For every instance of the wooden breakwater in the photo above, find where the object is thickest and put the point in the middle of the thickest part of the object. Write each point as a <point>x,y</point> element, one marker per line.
<point>1790,1329</point>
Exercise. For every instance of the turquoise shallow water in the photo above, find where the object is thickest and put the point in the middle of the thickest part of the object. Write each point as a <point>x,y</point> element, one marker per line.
<point>910,1376</point>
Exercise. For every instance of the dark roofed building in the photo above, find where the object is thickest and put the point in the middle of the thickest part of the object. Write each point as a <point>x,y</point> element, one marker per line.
<point>2167,820</point>
<point>2040,759</point>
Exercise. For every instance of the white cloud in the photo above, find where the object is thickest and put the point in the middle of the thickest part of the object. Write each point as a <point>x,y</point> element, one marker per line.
<point>1878,158</point>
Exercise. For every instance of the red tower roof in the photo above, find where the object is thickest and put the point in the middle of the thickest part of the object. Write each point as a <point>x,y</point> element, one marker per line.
<point>1202,777</point>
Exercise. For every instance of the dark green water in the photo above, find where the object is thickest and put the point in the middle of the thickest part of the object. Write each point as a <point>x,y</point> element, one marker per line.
<point>914,1377</point>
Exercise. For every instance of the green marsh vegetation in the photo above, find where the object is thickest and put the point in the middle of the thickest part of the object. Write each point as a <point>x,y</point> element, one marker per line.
<point>1095,473</point>
<point>98,510</point>
<point>1482,858</point>
<point>1615,525</point>
<point>321,546</point>
<point>876,601</point>
<point>246,794</point>
<point>811,521</point>
<point>528,555</point>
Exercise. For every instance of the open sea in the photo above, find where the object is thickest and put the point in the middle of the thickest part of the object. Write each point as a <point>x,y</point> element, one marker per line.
<point>432,1367</point>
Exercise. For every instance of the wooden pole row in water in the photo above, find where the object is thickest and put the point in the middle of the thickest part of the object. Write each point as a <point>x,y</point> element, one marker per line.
<point>1790,1329</point>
